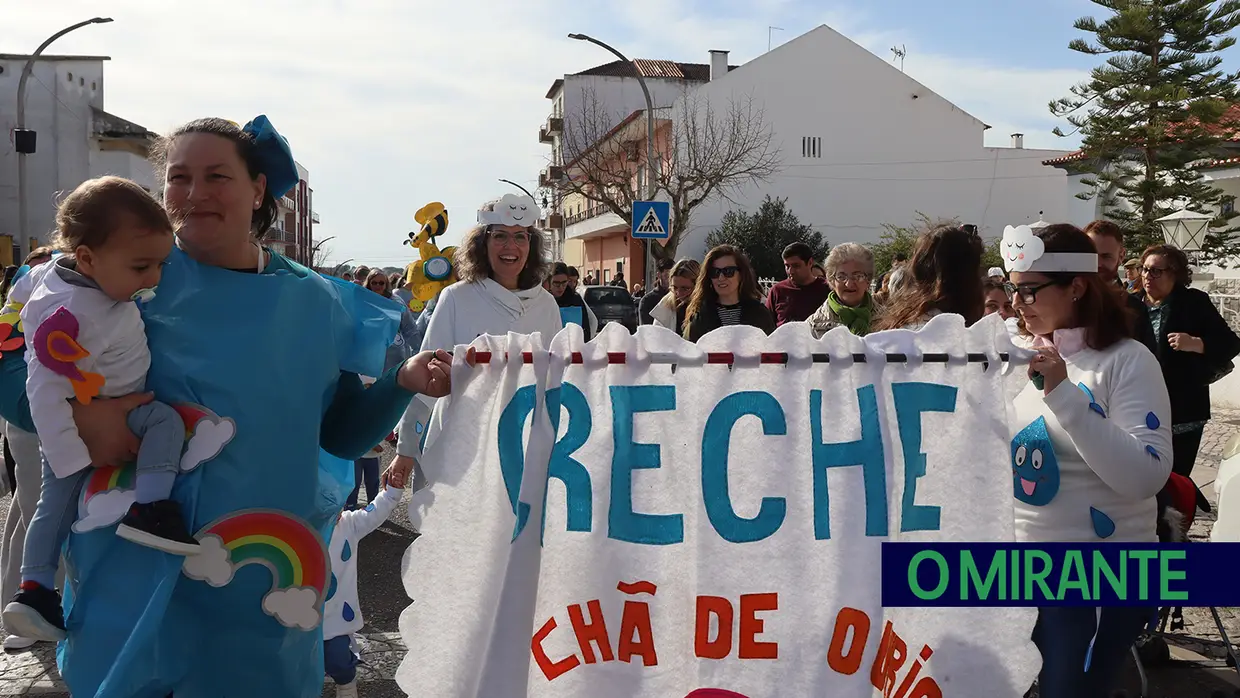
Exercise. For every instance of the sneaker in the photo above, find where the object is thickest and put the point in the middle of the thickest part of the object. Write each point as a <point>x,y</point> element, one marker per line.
<point>347,690</point>
<point>158,525</point>
<point>35,613</point>
<point>17,642</point>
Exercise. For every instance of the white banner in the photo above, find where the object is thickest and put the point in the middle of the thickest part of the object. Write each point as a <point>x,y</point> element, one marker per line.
<point>711,531</point>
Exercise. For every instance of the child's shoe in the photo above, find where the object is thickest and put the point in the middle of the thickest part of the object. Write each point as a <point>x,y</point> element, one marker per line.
<point>158,525</point>
<point>347,690</point>
<point>35,613</point>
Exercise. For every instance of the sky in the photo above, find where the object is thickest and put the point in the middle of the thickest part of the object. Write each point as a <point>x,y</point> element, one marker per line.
<point>392,104</point>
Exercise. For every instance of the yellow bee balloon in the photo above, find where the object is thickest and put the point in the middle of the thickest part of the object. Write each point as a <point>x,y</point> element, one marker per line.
<point>434,271</point>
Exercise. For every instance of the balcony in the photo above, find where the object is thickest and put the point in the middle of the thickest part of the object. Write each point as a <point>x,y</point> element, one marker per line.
<point>277,233</point>
<point>553,221</point>
<point>552,128</point>
<point>314,217</point>
<point>550,176</point>
<point>593,221</point>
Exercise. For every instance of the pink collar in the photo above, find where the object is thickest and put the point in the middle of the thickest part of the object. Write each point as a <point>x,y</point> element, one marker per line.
<point>1068,342</point>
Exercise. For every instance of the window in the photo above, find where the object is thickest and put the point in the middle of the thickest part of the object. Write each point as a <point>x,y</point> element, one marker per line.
<point>811,146</point>
<point>70,77</point>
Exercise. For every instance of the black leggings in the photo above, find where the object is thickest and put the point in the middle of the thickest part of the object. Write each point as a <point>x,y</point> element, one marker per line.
<point>10,467</point>
<point>1184,449</point>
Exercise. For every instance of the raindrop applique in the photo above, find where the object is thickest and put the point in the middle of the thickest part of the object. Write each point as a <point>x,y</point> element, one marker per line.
<point>331,588</point>
<point>370,507</point>
<point>1150,450</point>
<point>1093,404</point>
<point>347,613</point>
<point>1035,469</point>
<point>346,552</point>
<point>1151,421</point>
<point>1103,525</point>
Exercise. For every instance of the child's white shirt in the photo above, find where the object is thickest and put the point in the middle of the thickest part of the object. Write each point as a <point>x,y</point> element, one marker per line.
<point>341,613</point>
<point>111,331</point>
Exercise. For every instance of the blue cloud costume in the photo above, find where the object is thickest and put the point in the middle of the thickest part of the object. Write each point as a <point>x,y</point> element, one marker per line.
<point>277,353</point>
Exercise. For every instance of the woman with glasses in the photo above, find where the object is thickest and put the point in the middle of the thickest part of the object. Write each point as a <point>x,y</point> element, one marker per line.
<point>1092,446</point>
<point>850,267</point>
<point>726,293</point>
<point>500,267</point>
<point>680,288</point>
<point>944,276</point>
<point>1194,346</point>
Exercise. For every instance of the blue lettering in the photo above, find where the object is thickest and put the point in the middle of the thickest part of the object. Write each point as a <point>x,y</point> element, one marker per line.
<point>715,442</point>
<point>866,452</point>
<point>510,432</point>
<point>912,400</point>
<point>563,466</point>
<point>622,522</point>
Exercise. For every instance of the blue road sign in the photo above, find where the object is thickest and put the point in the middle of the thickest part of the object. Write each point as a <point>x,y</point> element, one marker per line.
<point>652,220</point>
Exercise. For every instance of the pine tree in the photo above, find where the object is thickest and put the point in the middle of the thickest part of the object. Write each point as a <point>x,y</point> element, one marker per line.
<point>1157,107</point>
<point>762,236</point>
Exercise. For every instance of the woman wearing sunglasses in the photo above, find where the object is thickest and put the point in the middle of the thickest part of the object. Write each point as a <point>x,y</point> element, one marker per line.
<point>1092,446</point>
<point>726,293</point>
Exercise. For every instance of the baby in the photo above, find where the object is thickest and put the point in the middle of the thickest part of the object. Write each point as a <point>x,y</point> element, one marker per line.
<point>341,614</point>
<point>86,339</point>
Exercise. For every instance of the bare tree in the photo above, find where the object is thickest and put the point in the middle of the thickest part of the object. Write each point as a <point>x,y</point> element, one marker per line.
<point>710,150</point>
<point>319,255</point>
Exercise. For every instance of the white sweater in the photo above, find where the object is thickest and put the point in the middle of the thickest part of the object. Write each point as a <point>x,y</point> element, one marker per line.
<point>1088,459</point>
<point>341,613</point>
<point>466,311</point>
<point>113,333</point>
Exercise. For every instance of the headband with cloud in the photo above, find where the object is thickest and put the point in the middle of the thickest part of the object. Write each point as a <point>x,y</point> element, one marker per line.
<point>1024,251</point>
<point>512,209</point>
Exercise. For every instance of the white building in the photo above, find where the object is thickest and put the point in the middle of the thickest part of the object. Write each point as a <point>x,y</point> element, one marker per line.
<point>863,144</point>
<point>76,140</point>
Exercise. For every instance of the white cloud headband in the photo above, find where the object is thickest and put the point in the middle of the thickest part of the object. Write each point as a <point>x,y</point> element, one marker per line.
<point>512,209</point>
<point>1024,251</point>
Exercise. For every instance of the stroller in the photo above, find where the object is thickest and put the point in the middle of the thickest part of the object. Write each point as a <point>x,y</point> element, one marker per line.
<point>1178,503</point>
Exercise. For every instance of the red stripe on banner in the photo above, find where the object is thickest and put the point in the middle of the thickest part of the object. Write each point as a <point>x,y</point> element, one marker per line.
<point>720,358</point>
<point>774,358</point>
<point>482,357</point>
<point>615,357</point>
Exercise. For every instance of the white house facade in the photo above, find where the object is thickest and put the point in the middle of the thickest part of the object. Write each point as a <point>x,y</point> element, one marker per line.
<point>863,145</point>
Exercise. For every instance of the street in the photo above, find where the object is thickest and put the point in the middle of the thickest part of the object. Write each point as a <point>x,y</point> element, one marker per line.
<point>1198,669</point>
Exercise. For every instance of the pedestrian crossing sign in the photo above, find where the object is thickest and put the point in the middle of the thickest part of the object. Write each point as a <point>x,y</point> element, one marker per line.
<point>652,220</point>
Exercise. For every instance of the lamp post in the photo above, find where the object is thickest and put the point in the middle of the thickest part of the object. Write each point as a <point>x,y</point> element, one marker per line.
<point>1186,230</point>
<point>26,140</point>
<point>651,186</point>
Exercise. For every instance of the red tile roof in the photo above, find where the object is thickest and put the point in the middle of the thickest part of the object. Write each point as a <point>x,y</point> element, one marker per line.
<point>1232,134</point>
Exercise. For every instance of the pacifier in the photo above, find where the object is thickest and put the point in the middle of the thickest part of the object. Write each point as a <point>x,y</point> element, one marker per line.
<point>143,295</point>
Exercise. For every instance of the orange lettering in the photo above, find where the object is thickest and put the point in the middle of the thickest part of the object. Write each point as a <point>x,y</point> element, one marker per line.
<point>892,652</point>
<point>593,631</point>
<point>848,661</point>
<point>721,609</point>
<point>907,683</point>
<point>751,627</point>
<point>636,637</point>
<point>927,688</point>
<point>550,669</point>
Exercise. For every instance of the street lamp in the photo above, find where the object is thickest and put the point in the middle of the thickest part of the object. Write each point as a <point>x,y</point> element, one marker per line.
<point>1187,230</point>
<point>24,139</point>
<point>650,172</point>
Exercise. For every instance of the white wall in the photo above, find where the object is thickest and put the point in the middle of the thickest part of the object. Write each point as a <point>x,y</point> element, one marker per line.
<point>1081,212</point>
<point>890,148</point>
<point>123,164</point>
<point>59,108</point>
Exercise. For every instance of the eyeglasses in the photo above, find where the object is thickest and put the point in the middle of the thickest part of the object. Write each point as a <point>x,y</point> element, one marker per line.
<point>503,237</point>
<point>726,272</point>
<point>559,284</point>
<point>858,278</point>
<point>1154,272</point>
<point>1027,294</point>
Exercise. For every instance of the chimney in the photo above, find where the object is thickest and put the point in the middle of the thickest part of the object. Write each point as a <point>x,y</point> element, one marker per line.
<point>718,64</point>
<point>1018,140</point>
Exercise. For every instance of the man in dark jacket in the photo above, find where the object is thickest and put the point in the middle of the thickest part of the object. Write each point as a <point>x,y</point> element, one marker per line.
<point>566,299</point>
<point>1109,241</point>
<point>662,283</point>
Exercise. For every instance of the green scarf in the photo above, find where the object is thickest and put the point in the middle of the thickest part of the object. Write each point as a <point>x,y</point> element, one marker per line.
<point>857,319</point>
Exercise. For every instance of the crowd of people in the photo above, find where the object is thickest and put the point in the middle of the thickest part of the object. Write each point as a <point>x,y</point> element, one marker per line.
<point>142,307</point>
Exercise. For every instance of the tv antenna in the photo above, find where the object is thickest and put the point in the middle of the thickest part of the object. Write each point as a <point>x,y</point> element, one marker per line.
<point>899,53</point>
<point>769,31</point>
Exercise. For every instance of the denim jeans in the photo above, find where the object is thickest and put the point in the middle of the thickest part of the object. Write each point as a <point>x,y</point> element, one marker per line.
<point>1063,635</point>
<point>163,437</point>
<point>339,662</point>
<point>364,470</point>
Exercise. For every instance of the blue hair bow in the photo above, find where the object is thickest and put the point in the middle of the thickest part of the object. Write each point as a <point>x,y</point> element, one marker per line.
<point>275,158</point>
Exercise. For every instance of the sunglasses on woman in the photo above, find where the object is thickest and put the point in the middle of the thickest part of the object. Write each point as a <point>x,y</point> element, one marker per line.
<point>727,272</point>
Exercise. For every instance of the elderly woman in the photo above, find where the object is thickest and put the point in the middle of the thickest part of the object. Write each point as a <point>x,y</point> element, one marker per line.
<point>229,331</point>
<point>1194,346</point>
<point>850,267</point>
<point>500,267</point>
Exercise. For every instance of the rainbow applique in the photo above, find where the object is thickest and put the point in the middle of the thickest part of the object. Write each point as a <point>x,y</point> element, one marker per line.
<point>109,492</point>
<point>284,544</point>
<point>56,346</point>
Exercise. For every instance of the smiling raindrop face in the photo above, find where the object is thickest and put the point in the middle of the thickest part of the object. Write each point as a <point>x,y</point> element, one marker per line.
<point>1035,470</point>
